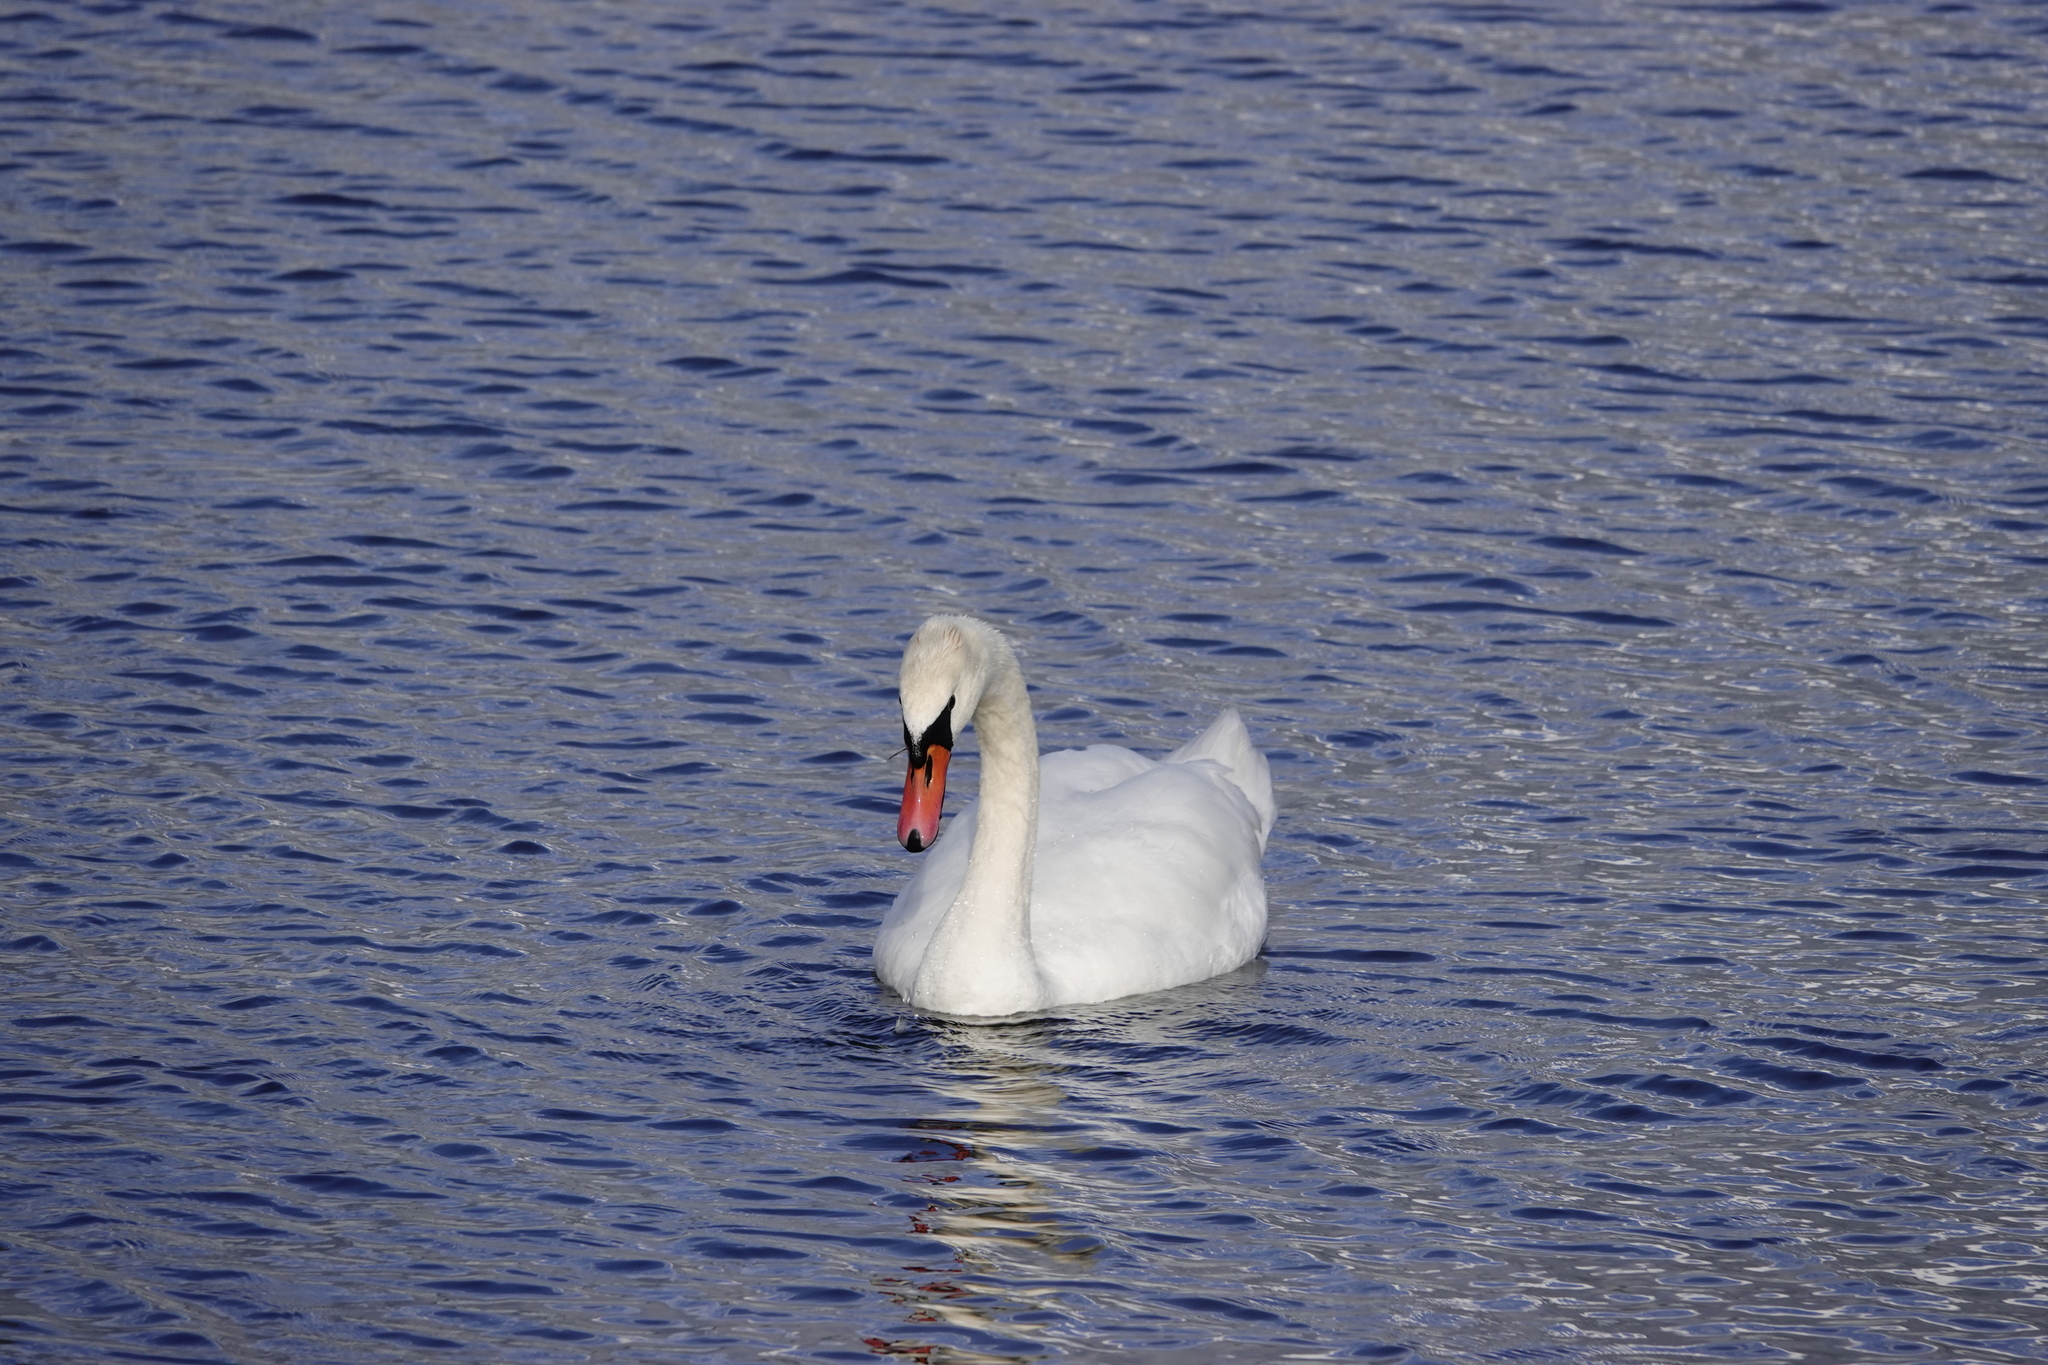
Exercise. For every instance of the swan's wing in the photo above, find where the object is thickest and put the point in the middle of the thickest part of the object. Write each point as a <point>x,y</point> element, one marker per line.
<point>1226,742</point>
<point>1072,772</point>
<point>1152,882</point>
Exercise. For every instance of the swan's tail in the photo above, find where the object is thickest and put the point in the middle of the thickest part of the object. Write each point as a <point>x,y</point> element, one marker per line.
<point>1226,742</point>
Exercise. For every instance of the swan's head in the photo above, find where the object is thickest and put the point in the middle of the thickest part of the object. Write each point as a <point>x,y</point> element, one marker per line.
<point>945,668</point>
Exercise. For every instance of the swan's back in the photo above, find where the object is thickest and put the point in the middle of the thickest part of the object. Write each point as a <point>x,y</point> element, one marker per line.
<point>1146,873</point>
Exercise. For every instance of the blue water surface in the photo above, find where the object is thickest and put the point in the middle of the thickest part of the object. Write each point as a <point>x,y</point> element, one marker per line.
<point>467,472</point>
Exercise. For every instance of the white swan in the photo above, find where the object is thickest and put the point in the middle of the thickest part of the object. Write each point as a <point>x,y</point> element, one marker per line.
<point>1083,875</point>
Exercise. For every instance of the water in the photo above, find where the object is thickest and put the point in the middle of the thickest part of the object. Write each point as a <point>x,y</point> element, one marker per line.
<point>469,470</point>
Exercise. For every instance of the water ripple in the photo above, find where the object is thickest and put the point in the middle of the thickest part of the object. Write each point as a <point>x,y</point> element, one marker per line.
<point>468,477</point>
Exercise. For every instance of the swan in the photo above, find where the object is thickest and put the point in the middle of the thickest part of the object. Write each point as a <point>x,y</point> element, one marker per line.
<point>1082,875</point>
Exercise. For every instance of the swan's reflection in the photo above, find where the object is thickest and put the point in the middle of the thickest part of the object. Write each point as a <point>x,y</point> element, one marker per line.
<point>1002,1216</point>
<point>983,1200</point>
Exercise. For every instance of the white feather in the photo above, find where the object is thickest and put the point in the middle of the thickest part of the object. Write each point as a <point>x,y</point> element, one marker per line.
<point>1143,874</point>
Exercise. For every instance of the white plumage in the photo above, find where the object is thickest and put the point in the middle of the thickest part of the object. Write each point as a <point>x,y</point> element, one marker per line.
<point>1083,875</point>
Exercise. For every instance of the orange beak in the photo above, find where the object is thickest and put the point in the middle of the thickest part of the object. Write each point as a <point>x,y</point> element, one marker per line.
<point>924,796</point>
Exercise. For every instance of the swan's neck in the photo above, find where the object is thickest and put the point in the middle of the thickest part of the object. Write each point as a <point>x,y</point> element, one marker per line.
<point>980,959</point>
